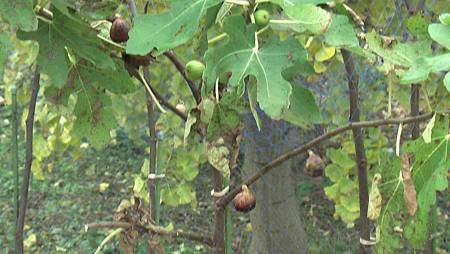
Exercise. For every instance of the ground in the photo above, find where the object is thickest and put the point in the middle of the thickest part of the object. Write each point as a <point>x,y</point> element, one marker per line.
<point>70,197</point>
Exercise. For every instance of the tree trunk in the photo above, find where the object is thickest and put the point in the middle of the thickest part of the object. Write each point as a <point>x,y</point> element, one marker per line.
<point>276,221</point>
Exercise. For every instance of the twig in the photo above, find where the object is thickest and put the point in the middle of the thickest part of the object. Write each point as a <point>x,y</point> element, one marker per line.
<point>180,67</point>
<point>161,99</point>
<point>175,233</point>
<point>132,6</point>
<point>358,139</point>
<point>304,148</point>
<point>15,153</point>
<point>35,85</point>
<point>107,239</point>
<point>414,104</point>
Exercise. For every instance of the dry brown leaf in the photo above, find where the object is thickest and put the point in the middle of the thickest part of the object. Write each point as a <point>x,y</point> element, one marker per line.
<point>409,191</point>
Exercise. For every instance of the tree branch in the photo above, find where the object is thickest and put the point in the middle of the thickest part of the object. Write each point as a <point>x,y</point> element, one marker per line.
<point>35,85</point>
<point>175,233</point>
<point>305,147</point>
<point>180,67</point>
<point>161,99</point>
<point>358,138</point>
<point>132,6</point>
<point>414,104</point>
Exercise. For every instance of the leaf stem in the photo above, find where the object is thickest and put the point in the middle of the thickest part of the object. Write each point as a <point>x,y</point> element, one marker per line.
<point>283,21</point>
<point>217,38</point>
<point>238,2</point>
<point>225,35</point>
<point>147,87</point>
<point>427,99</point>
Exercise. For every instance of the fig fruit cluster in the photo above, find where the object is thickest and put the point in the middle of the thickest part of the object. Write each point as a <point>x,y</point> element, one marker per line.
<point>244,201</point>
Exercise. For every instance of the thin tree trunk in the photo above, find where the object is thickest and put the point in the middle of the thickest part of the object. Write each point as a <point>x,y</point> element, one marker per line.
<point>15,152</point>
<point>358,138</point>
<point>152,158</point>
<point>219,215</point>
<point>276,220</point>
<point>35,85</point>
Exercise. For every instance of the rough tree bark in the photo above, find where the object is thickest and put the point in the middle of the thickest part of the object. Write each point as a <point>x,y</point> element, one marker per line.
<point>276,221</point>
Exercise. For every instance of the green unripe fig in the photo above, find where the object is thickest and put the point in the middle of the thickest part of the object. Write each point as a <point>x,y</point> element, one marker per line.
<point>194,69</point>
<point>262,18</point>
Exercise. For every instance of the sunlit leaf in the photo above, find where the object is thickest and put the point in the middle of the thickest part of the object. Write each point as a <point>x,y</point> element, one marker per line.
<point>169,29</point>
<point>240,57</point>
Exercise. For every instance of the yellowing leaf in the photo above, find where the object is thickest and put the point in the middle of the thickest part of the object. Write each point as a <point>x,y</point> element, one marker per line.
<point>319,67</point>
<point>103,187</point>
<point>217,153</point>
<point>428,130</point>
<point>169,227</point>
<point>191,120</point>
<point>145,169</point>
<point>409,191</point>
<point>37,170</point>
<point>325,54</point>
<point>375,199</point>
<point>30,241</point>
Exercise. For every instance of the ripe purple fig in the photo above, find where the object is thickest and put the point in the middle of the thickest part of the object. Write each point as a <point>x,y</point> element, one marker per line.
<point>314,165</point>
<point>244,201</point>
<point>119,30</point>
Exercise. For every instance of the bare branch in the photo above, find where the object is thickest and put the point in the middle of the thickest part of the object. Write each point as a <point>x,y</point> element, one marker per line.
<point>358,139</point>
<point>175,233</point>
<point>304,148</point>
<point>180,67</point>
<point>35,85</point>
